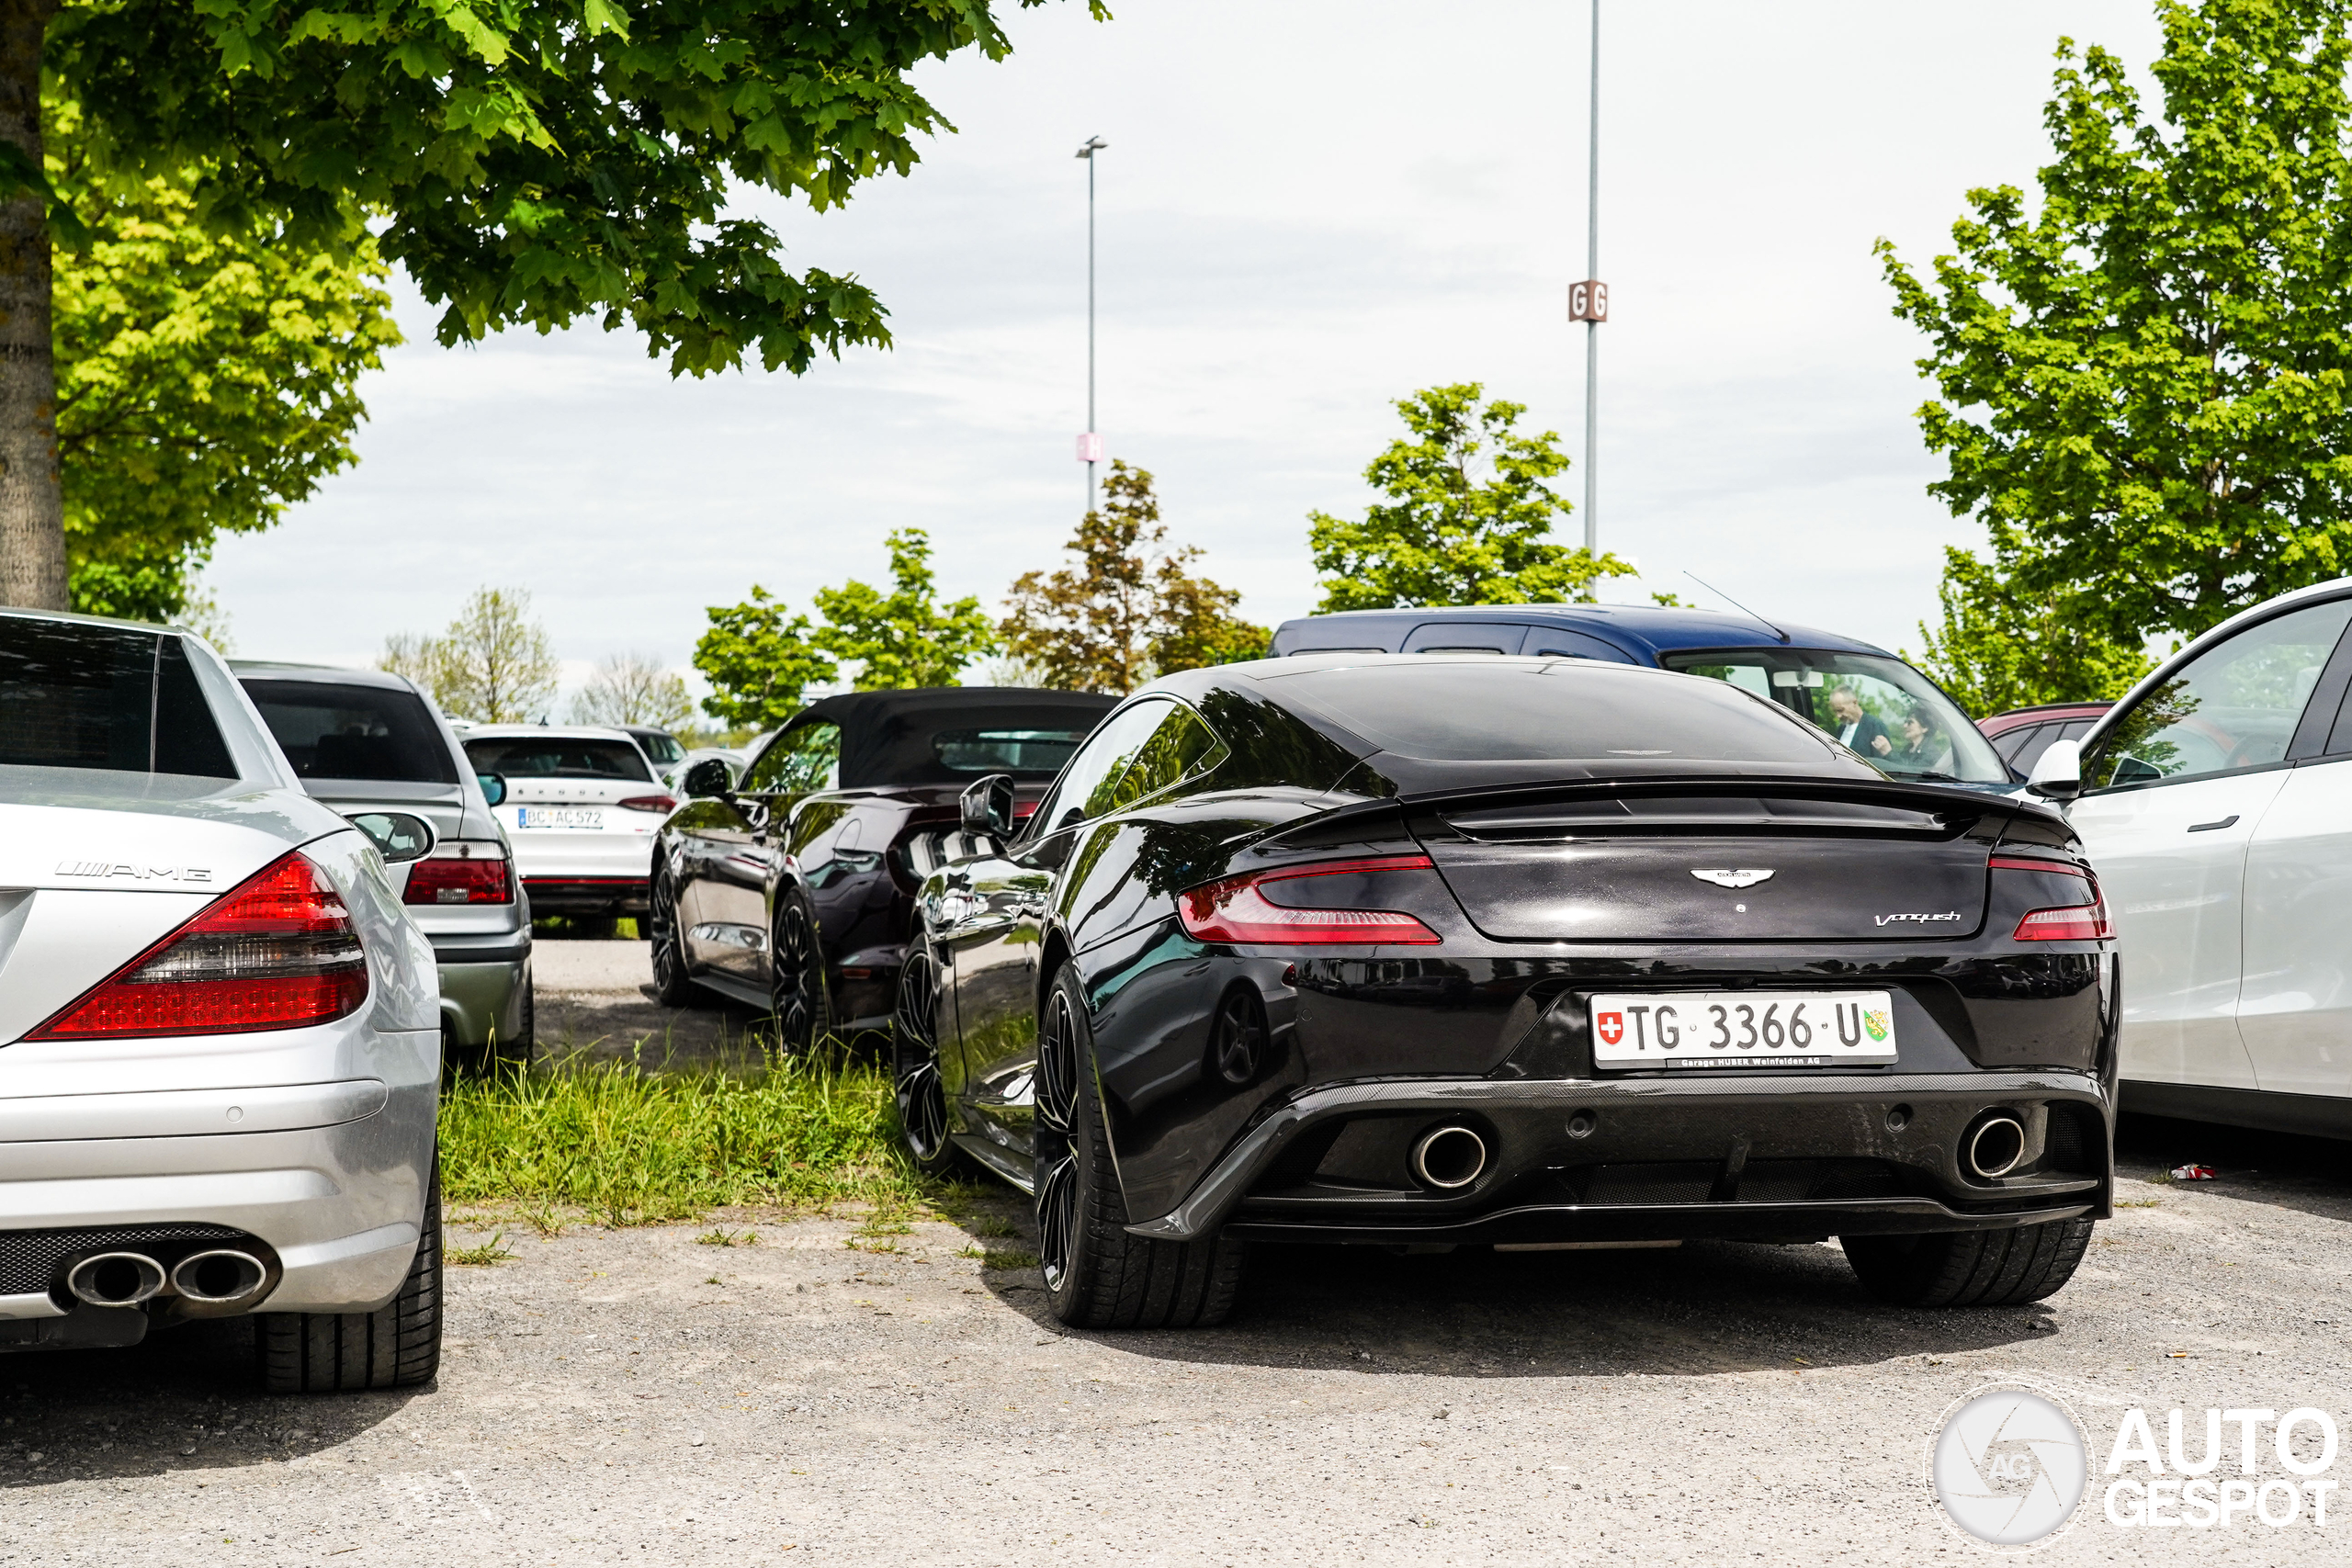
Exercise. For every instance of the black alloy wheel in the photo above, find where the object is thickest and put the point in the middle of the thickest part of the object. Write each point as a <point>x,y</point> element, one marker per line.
<point>1237,1037</point>
<point>671,986</point>
<point>797,984</point>
<point>914,1061</point>
<point>1097,1275</point>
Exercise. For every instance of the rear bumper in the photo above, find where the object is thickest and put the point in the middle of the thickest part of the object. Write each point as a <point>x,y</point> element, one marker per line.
<point>587,894</point>
<point>1768,1157</point>
<point>478,1000</point>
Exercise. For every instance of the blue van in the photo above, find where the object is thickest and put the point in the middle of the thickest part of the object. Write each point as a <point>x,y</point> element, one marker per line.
<point>1892,715</point>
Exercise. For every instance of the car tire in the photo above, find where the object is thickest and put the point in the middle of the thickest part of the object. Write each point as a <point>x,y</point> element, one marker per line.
<point>1960,1269</point>
<point>797,996</point>
<point>397,1346</point>
<point>518,1051</point>
<point>1097,1275</point>
<point>671,988</point>
<point>920,1093</point>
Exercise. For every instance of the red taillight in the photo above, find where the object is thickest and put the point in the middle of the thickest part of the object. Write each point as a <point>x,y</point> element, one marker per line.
<point>275,951</point>
<point>662,803</point>
<point>2077,922</point>
<point>477,881</point>
<point>2023,862</point>
<point>1236,909</point>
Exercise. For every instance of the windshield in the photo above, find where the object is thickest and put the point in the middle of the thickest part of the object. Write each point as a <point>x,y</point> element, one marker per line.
<point>1889,714</point>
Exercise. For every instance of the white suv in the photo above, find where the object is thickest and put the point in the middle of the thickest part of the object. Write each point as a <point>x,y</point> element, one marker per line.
<point>582,809</point>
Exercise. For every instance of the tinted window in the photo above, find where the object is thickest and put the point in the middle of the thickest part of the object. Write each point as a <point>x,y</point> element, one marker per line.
<point>1178,745</point>
<point>1884,711</point>
<point>1474,710</point>
<point>74,697</point>
<point>1094,772</point>
<point>1573,645</point>
<point>1466,637</point>
<point>558,757</point>
<point>331,731</point>
<point>2234,705</point>
<point>799,762</point>
<point>1032,754</point>
<point>2040,740</point>
<point>2010,742</point>
<point>661,748</point>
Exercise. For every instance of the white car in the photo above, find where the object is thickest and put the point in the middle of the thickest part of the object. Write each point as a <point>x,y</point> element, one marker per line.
<point>582,810</point>
<point>2216,802</point>
<point>220,1033</point>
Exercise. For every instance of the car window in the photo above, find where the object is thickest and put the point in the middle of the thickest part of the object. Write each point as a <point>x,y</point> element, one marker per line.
<point>333,731</point>
<point>1560,643</point>
<point>662,748</point>
<point>2043,737</point>
<point>799,762</point>
<point>2076,729</point>
<point>1098,764</point>
<point>83,696</point>
<point>558,756</point>
<point>2233,705</point>
<point>1023,754</point>
<point>2008,743</point>
<point>1466,637</point>
<point>1181,744</point>
<point>1891,715</point>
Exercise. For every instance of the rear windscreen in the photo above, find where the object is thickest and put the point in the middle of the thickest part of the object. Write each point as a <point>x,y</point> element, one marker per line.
<point>77,696</point>
<point>558,756</point>
<point>1032,754</point>
<point>1491,710</point>
<point>332,731</point>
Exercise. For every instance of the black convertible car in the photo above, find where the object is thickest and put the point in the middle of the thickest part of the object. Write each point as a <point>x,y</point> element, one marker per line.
<point>795,888</point>
<point>1529,952</point>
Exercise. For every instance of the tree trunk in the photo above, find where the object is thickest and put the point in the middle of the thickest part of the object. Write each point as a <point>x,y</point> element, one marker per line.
<point>32,508</point>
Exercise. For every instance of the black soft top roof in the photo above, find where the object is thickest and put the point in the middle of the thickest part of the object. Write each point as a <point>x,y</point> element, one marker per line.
<point>886,736</point>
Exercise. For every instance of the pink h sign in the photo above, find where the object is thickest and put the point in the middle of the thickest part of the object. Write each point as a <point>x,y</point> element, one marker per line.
<point>1089,448</point>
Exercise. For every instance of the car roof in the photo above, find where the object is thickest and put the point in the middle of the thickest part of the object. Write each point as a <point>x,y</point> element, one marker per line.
<point>850,709</point>
<point>2009,719</point>
<point>325,674</point>
<point>567,731</point>
<point>1649,629</point>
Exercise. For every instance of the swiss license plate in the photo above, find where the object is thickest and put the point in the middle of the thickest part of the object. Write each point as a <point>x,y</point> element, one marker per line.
<point>1743,1029</point>
<point>559,817</point>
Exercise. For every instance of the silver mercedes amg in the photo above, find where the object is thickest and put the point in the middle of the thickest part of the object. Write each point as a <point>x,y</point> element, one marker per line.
<point>220,1033</point>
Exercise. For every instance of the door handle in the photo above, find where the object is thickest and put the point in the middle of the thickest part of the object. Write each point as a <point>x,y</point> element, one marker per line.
<point>2229,822</point>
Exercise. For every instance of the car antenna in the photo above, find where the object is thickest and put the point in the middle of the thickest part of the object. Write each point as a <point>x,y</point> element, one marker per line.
<point>1737,604</point>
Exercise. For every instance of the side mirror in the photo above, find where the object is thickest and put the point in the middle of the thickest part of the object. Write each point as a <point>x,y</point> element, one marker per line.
<point>987,806</point>
<point>493,788</point>
<point>706,780</point>
<point>397,835</point>
<point>2058,771</point>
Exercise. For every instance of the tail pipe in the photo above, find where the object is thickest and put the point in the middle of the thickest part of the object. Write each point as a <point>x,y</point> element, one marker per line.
<point>1993,1147</point>
<point>222,1277</point>
<point>115,1279</point>
<point>1449,1159</point>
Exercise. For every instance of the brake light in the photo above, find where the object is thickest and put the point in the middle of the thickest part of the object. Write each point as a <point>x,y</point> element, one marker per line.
<point>2022,862</point>
<point>662,803</point>
<point>2079,922</point>
<point>1237,909</point>
<point>277,950</point>
<point>438,881</point>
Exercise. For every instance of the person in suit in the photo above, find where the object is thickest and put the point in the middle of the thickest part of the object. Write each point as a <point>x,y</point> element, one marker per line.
<point>1856,727</point>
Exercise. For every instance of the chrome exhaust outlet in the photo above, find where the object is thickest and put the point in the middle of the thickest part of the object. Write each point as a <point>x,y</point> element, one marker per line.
<point>223,1277</point>
<point>1449,1159</point>
<point>115,1279</point>
<point>1996,1146</point>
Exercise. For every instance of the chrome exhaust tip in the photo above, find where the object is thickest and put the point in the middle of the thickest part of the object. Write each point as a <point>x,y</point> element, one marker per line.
<point>223,1277</point>
<point>115,1279</point>
<point>1449,1159</point>
<point>1996,1146</point>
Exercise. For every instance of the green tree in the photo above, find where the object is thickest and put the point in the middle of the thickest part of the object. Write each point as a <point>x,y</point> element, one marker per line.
<point>2143,385</point>
<point>904,638</point>
<point>758,658</point>
<point>494,665</point>
<point>630,688</point>
<point>1446,536</point>
<point>1130,609</point>
<point>1999,649</point>
<point>205,381</point>
<point>523,163</point>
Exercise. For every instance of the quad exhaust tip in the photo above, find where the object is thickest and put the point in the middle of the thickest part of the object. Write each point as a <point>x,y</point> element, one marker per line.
<point>1449,1159</point>
<point>223,1277</point>
<point>115,1279</point>
<point>1996,1146</point>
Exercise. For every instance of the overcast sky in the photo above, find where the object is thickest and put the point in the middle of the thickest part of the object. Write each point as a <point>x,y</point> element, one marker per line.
<point>1307,210</point>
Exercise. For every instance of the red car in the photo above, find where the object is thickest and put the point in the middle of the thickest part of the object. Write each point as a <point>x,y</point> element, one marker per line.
<point>2022,735</point>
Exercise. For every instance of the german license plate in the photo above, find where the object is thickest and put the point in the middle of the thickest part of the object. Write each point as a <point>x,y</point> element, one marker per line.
<point>1743,1029</point>
<point>559,817</point>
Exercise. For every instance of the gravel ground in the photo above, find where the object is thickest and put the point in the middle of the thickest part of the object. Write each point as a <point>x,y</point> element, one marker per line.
<point>641,1396</point>
<point>596,998</point>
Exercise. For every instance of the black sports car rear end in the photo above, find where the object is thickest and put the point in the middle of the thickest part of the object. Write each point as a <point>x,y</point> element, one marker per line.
<point>1427,952</point>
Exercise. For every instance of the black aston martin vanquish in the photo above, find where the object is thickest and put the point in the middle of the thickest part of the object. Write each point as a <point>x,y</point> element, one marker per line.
<point>1429,951</point>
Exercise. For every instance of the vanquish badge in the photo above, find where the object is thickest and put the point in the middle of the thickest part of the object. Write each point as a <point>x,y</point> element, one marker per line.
<point>1732,878</point>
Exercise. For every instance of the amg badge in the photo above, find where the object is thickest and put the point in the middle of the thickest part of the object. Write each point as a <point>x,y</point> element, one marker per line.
<point>1732,878</point>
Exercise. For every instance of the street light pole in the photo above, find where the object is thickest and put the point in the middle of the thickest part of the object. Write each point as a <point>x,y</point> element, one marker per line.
<point>1592,322</point>
<point>1089,446</point>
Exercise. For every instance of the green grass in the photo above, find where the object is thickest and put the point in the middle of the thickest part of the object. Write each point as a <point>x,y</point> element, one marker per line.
<point>489,1254</point>
<point>628,1146</point>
